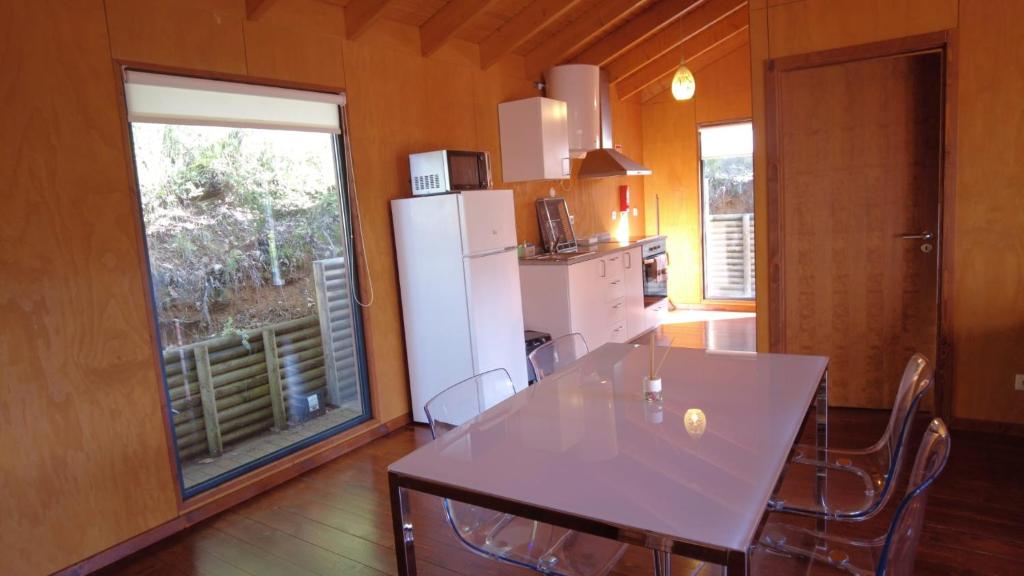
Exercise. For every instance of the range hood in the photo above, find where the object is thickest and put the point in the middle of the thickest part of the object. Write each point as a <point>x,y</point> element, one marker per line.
<point>585,89</point>
<point>605,162</point>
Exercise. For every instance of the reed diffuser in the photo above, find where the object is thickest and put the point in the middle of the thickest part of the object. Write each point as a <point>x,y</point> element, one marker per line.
<point>652,382</point>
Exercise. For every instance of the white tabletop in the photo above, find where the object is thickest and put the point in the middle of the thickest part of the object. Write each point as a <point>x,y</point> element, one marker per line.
<point>585,442</point>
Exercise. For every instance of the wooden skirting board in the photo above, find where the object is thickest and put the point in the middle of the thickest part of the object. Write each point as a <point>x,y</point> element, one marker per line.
<point>989,427</point>
<point>240,490</point>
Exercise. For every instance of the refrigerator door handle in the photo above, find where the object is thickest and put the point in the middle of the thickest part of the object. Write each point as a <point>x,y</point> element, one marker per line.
<point>492,252</point>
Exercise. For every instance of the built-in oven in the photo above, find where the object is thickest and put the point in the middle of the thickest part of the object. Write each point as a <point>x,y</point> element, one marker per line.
<point>655,269</point>
<point>656,304</point>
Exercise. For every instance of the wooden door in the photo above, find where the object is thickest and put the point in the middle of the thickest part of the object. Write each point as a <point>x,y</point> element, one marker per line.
<point>859,166</point>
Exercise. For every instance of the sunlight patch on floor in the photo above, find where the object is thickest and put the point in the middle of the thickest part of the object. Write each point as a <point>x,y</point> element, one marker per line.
<point>686,316</point>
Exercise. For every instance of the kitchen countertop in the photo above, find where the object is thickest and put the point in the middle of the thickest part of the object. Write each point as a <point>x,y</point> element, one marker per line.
<point>583,253</point>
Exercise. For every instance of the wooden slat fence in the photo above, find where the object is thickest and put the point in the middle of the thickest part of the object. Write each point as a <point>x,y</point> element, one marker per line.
<point>336,330</point>
<point>729,256</point>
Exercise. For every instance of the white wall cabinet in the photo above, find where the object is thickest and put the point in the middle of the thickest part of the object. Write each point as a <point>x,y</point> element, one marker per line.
<point>534,140</point>
<point>602,298</point>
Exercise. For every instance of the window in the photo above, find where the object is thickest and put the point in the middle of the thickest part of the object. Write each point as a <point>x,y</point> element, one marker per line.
<point>727,193</point>
<point>246,226</point>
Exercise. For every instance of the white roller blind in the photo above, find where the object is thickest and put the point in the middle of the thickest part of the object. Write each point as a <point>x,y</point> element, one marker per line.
<point>725,141</point>
<point>165,99</point>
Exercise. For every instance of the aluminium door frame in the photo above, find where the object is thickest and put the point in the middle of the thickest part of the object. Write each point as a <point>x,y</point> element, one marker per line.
<point>741,304</point>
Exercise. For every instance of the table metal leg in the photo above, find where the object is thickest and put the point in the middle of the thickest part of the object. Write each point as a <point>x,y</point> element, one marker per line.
<point>738,565</point>
<point>401,523</point>
<point>821,448</point>
<point>662,563</point>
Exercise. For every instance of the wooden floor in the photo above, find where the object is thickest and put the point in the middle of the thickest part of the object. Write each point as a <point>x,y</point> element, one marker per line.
<point>335,520</point>
<point>709,329</point>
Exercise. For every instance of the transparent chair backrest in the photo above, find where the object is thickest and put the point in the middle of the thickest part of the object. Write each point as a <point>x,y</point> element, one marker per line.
<point>917,380</point>
<point>897,556</point>
<point>556,354</point>
<point>459,403</point>
<point>451,408</point>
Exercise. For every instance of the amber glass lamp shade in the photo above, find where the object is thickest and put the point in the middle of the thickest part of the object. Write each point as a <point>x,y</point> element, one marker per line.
<point>684,85</point>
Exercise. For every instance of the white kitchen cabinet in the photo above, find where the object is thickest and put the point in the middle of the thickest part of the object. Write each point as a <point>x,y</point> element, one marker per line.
<point>655,314</point>
<point>534,140</point>
<point>601,298</point>
<point>633,279</point>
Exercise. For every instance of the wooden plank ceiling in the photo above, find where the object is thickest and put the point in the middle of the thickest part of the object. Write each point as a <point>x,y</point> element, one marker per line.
<point>639,42</point>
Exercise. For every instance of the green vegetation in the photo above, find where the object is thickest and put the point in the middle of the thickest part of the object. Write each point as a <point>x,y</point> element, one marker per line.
<point>729,183</point>
<point>234,219</point>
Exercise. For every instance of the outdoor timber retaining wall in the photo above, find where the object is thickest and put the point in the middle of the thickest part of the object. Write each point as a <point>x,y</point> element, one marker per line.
<point>231,388</point>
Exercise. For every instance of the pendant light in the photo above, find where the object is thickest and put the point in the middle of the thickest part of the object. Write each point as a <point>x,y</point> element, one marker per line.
<point>683,83</point>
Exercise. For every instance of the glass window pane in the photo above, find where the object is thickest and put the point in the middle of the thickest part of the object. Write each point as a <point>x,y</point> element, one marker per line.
<point>727,190</point>
<point>249,260</point>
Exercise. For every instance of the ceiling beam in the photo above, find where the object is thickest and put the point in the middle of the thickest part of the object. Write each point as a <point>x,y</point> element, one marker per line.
<point>709,57</point>
<point>523,26</point>
<point>255,9</point>
<point>451,19</point>
<point>734,28</point>
<point>651,20</point>
<point>361,14</point>
<point>577,34</point>
<point>697,20</point>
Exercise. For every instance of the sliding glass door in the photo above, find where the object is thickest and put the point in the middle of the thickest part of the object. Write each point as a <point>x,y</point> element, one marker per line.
<point>246,232</point>
<point>727,193</point>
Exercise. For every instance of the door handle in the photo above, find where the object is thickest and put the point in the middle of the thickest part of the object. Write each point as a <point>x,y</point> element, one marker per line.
<point>926,236</point>
<point>604,268</point>
<point>629,260</point>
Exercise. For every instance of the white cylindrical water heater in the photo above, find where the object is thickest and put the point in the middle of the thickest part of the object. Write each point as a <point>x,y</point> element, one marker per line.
<point>578,86</point>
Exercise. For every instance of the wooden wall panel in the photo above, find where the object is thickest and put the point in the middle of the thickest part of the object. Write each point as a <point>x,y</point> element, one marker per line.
<point>758,52</point>
<point>670,149</point>
<point>196,34</point>
<point>85,461</point>
<point>988,297</point>
<point>806,26</point>
<point>297,41</point>
<point>396,106</point>
<point>726,84</point>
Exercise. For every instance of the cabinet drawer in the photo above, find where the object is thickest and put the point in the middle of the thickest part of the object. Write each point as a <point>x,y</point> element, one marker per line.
<point>614,278</point>
<point>617,310</point>
<point>613,266</point>
<point>656,313</point>
<point>615,289</point>
<point>617,332</point>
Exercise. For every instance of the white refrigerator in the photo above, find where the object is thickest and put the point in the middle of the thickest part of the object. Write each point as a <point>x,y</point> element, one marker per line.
<point>458,271</point>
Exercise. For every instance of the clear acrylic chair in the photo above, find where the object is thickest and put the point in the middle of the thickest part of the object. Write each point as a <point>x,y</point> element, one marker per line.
<point>542,547</point>
<point>858,482</point>
<point>786,548</point>
<point>557,353</point>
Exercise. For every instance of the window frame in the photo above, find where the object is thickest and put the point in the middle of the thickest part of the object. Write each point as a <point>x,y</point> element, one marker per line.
<point>341,152</point>
<point>737,304</point>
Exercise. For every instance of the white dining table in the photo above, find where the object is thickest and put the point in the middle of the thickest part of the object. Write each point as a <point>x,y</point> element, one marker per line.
<point>690,475</point>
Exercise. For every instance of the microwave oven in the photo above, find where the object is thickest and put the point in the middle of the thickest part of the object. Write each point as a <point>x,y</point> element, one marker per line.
<point>449,171</point>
